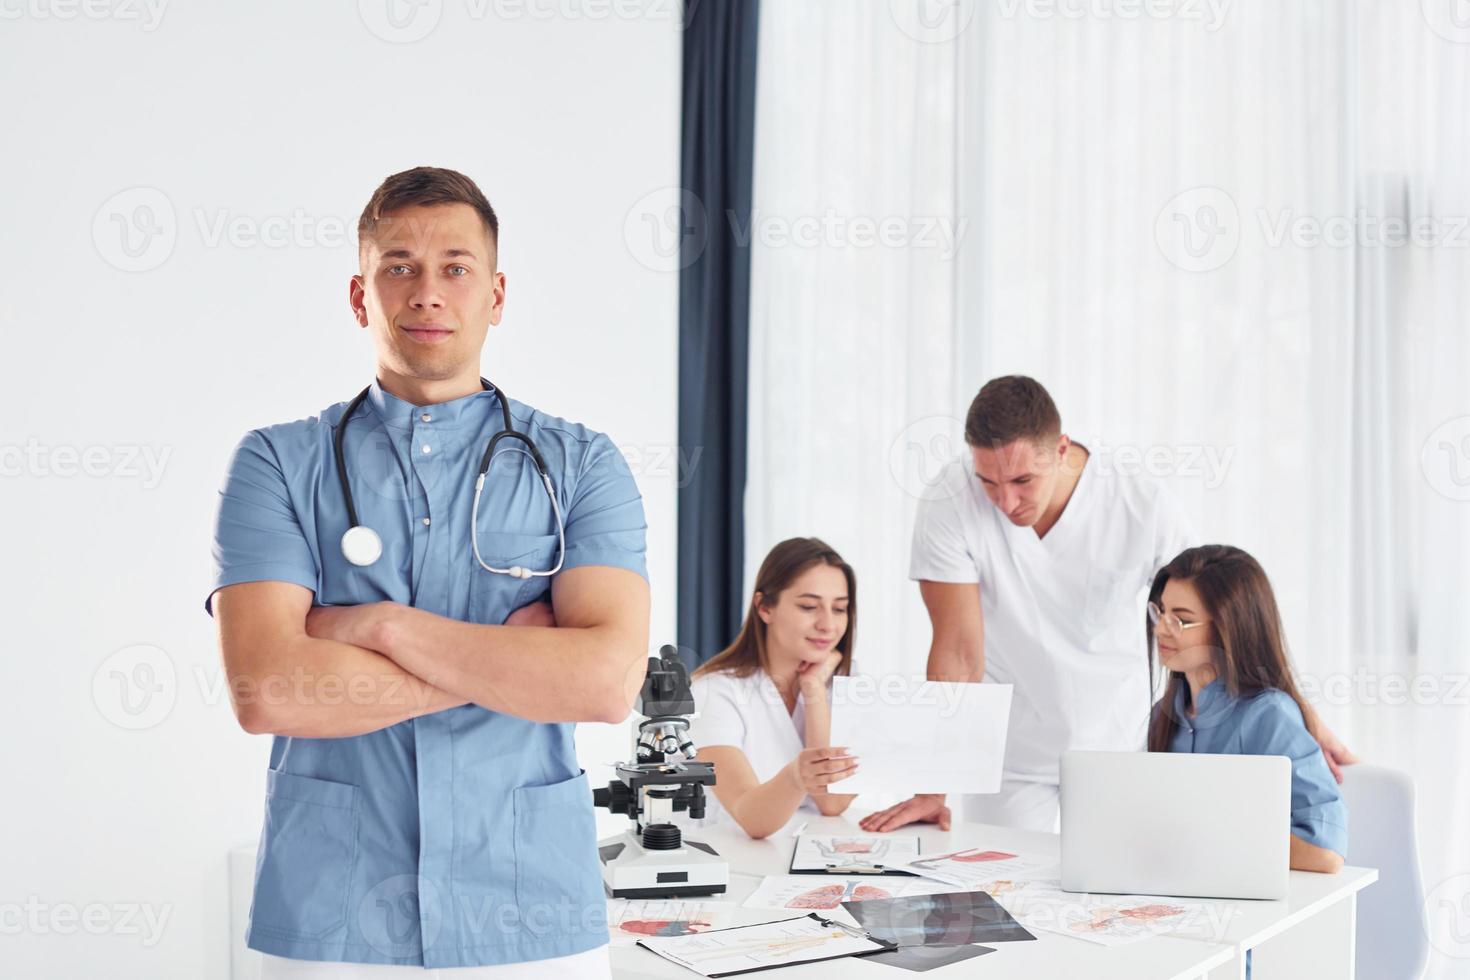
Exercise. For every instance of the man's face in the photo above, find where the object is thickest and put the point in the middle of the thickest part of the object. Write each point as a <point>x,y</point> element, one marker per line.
<point>1020,476</point>
<point>428,291</point>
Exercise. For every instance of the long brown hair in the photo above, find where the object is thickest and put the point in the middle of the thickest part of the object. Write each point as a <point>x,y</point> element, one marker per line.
<point>785,562</point>
<point>1251,653</point>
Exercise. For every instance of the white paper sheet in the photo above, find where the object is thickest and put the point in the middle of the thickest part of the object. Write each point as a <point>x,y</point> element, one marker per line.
<point>982,869</point>
<point>789,941</point>
<point>817,852</point>
<point>631,920</point>
<point>919,736</point>
<point>1109,920</point>
<point>826,893</point>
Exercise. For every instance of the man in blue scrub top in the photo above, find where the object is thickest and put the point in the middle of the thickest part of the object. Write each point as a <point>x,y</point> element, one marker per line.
<point>424,806</point>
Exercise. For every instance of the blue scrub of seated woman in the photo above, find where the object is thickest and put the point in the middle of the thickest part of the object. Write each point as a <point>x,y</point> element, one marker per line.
<point>1214,622</point>
<point>1267,723</point>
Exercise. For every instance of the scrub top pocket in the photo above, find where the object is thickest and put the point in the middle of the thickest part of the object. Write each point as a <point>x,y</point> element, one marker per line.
<point>303,873</point>
<point>556,858</point>
<point>493,597</point>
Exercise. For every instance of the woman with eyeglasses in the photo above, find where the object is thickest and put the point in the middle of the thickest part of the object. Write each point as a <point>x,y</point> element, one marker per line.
<point>1214,622</point>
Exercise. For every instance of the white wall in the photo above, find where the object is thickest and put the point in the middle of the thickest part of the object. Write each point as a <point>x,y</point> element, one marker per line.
<point>262,114</point>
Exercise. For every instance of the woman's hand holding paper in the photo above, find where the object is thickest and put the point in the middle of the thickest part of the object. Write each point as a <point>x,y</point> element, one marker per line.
<point>814,769</point>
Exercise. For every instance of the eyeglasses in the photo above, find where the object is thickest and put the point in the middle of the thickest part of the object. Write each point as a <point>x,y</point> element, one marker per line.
<point>1170,621</point>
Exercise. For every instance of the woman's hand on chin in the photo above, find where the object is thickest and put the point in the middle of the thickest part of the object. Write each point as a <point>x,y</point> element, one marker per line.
<point>813,675</point>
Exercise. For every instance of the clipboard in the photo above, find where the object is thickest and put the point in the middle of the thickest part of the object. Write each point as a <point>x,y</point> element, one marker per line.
<point>876,869</point>
<point>672,955</point>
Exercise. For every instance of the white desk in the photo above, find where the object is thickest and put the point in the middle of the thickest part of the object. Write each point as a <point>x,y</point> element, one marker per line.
<point>1308,936</point>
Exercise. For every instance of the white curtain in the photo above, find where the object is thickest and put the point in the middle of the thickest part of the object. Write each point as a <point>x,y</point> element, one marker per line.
<point>852,321</point>
<point>1230,239</point>
<point>1122,171</point>
<point>1412,515</point>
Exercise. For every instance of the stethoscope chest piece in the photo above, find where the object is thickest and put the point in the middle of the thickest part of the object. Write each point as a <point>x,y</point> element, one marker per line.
<point>361,545</point>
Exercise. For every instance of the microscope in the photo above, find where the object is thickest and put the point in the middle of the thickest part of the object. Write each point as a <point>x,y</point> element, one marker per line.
<point>652,859</point>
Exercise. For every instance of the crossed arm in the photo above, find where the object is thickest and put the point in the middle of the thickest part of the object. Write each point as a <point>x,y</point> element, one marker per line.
<point>337,671</point>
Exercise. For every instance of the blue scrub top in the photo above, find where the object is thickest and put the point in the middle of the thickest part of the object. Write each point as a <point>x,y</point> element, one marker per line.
<point>1267,723</point>
<point>464,837</point>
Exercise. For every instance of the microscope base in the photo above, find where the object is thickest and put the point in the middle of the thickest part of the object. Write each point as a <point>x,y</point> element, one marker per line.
<point>629,870</point>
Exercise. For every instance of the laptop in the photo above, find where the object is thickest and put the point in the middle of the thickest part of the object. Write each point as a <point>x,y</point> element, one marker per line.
<point>1176,823</point>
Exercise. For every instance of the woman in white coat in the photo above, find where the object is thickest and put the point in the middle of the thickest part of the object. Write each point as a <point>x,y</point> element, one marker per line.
<point>764,702</point>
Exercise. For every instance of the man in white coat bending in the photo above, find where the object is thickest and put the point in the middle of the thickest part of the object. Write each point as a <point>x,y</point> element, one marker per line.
<point>1035,569</point>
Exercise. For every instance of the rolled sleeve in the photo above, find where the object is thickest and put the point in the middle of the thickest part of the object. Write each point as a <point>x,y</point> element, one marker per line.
<point>605,524</point>
<point>257,535</point>
<point>1318,813</point>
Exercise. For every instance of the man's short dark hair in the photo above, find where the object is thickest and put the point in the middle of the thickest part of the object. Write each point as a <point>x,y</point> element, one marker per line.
<point>1011,408</point>
<point>420,187</point>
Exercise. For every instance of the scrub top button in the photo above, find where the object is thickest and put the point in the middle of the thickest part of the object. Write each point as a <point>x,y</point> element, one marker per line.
<point>426,447</point>
<point>426,417</point>
<point>426,522</point>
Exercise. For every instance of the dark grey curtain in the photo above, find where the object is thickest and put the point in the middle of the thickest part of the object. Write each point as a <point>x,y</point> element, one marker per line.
<point>714,287</point>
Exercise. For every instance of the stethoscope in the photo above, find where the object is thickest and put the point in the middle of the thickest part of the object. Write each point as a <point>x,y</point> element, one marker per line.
<point>361,544</point>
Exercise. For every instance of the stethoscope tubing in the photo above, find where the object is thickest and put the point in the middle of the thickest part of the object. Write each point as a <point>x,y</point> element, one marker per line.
<point>362,555</point>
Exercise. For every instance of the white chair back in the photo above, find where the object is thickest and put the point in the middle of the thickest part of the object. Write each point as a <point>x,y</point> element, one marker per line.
<point>1393,941</point>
